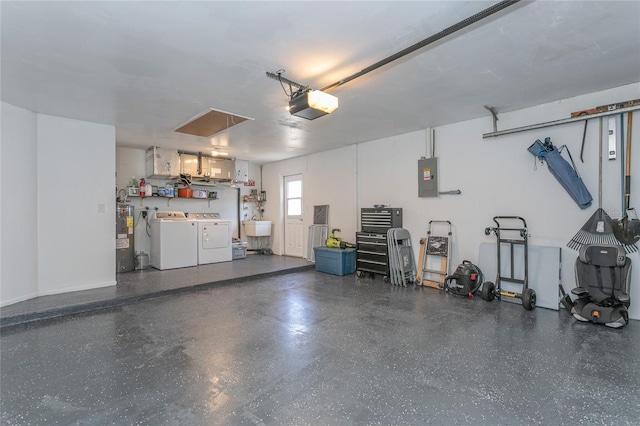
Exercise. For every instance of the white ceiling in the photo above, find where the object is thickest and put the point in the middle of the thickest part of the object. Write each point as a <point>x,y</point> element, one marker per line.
<point>148,67</point>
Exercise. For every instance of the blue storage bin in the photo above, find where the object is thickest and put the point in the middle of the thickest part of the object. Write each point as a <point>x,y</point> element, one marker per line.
<point>335,261</point>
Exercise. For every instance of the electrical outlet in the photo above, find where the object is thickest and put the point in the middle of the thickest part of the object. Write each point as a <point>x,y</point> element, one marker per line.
<point>144,214</point>
<point>101,208</point>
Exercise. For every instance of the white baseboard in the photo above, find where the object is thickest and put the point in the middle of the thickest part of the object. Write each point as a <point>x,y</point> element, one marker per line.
<point>4,303</point>
<point>15,300</point>
<point>77,288</point>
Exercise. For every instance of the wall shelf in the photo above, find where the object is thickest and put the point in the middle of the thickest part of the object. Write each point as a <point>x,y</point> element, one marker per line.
<point>156,197</point>
<point>256,198</point>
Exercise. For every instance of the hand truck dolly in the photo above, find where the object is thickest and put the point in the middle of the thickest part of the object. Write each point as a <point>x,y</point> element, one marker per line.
<point>431,249</point>
<point>491,290</point>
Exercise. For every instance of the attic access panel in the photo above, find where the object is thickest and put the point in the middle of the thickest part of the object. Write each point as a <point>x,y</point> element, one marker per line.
<point>210,122</point>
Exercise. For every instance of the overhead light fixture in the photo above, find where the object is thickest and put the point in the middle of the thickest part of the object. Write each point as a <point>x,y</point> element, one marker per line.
<point>311,104</point>
<point>219,153</point>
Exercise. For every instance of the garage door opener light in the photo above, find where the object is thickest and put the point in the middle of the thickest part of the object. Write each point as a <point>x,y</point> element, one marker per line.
<point>305,102</point>
<point>311,104</point>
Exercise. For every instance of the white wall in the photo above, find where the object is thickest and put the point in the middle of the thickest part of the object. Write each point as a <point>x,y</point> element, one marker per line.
<point>505,181</point>
<point>331,179</point>
<point>328,178</point>
<point>131,162</point>
<point>57,196</point>
<point>496,177</point>
<point>72,240</point>
<point>388,174</point>
<point>18,209</point>
<point>76,220</point>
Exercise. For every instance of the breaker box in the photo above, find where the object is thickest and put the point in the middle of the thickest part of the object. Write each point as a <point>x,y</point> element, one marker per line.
<point>428,177</point>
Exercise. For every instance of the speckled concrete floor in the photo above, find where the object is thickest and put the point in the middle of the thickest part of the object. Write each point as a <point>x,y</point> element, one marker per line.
<point>135,286</point>
<point>318,349</point>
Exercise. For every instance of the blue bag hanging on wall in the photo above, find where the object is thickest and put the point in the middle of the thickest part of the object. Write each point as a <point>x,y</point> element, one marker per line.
<point>564,172</point>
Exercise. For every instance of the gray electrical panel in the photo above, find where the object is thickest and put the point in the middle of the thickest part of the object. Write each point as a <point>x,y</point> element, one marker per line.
<point>428,177</point>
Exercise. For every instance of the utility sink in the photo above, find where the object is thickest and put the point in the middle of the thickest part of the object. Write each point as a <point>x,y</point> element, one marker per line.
<point>257,228</point>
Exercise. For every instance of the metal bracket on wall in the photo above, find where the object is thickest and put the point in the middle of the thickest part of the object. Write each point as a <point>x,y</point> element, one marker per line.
<point>494,113</point>
<point>559,122</point>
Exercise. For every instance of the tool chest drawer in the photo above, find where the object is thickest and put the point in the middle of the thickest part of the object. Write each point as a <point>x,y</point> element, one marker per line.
<point>372,242</point>
<point>380,220</point>
<point>371,253</point>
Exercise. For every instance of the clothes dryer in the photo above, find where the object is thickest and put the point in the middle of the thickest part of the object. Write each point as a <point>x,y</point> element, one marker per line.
<point>214,238</point>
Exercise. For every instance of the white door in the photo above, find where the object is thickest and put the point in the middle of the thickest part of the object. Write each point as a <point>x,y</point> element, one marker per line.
<point>293,235</point>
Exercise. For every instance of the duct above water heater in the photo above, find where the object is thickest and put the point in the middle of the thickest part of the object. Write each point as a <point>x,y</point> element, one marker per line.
<point>162,162</point>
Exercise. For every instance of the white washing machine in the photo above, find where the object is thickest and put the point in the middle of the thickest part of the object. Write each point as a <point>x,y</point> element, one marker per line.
<point>214,238</point>
<point>174,240</point>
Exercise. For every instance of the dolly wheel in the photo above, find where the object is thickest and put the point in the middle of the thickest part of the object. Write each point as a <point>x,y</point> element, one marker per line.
<point>359,274</point>
<point>488,291</point>
<point>529,299</point>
